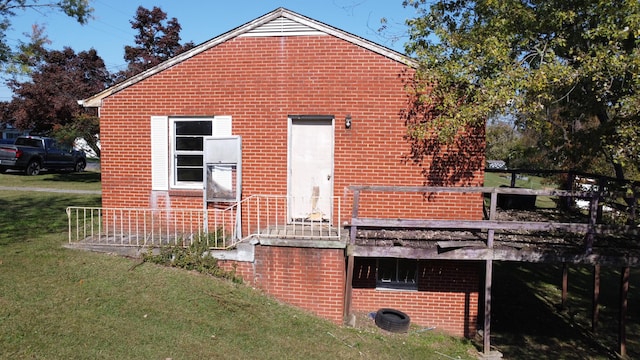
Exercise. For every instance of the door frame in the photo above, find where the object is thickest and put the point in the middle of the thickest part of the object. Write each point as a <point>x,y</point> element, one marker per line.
<point>290,124</point>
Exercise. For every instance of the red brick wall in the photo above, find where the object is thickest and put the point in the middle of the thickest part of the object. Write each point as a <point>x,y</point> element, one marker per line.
<point>447,296</point>
<point>313,279</point>
<point>309,278</point>
<point>242,269</point>
<point>259,82</point>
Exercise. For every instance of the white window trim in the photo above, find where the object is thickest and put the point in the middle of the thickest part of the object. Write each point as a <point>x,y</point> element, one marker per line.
<point>221,126</point>
<point>163,149</point>
<point>173,153</point>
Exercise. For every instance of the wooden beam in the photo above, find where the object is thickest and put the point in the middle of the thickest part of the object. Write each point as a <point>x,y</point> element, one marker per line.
<point>574,255</point>
<point>421,253</point>
<point>624,291</point>
<point>470,190</point>
<point>460,244</point>
<point>348,288</point>
<point>466,228</point>
<point>417,235</point>
<point>492,216</point>
<point>488,281</point>
<point>486,336</point>
<point>565,285</point>
<point>471,224</point>
<point>593,220</point>
<point>596,298</point>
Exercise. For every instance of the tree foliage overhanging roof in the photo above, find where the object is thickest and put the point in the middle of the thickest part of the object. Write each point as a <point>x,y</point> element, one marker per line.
<point>570,69</point>
<point>80,10</point>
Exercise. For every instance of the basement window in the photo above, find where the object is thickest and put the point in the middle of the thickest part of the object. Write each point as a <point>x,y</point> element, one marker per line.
<point>395,273</point>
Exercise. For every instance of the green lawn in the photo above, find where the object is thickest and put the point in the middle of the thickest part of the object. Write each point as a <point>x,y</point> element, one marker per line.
<point>57,303</point>
<point>88,180</point>
<point>527,182</point>
<point>529,323</point>
<point>64,304</point>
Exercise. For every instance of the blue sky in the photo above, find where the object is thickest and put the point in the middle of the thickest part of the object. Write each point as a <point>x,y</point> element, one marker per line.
<point>201,20</point>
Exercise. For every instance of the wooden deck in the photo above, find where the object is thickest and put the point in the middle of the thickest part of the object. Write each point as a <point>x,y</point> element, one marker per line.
<point>553,235</point>
<point>563,235</point>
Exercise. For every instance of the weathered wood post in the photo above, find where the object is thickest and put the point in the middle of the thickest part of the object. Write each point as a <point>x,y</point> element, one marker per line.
<point>569,186</point>
<point>593,220</point>
<point>488,279</point>
<point>596,298</point>
<point>348,291</point>
<point>565,285</point>
<point>624,291</point>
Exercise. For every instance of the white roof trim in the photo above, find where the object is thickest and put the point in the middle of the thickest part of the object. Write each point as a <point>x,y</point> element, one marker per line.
<point>282,26</point>
<point>290,24</point>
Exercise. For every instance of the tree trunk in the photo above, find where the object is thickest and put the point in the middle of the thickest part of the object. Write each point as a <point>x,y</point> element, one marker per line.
<point>617,167</point>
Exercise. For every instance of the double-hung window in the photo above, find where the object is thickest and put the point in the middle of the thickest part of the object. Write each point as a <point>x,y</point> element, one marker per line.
<point>177,149</point>
<point>188,151</point>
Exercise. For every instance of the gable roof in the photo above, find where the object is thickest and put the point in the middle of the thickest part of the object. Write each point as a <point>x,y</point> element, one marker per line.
<point>280,22</point>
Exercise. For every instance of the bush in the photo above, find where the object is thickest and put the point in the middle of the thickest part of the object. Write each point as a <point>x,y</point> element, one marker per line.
<point>192,257</point>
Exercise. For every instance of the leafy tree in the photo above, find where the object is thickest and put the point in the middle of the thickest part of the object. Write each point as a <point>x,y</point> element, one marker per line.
<point>157,40</point>
<point>502,138</point>
<point>568,70</point>
<point>77,9</point>
<point>47,102</point>
<point>28,54</point>
<point>517,146</point>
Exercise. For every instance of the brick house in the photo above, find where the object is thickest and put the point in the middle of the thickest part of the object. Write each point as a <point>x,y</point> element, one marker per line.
<point>316,111</point>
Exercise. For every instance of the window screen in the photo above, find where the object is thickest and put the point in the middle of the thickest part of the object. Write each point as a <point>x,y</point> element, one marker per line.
<point>188,147</point>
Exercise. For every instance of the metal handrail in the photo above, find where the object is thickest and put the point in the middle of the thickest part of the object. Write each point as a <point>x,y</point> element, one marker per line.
<point>224,228</point>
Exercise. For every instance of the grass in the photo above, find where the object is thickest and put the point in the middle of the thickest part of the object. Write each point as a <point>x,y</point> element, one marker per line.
<point>528,182</point>
<point>528,319</point>
<point>57,303</point>
<point>72,304</point>
<point>88,180</point>
<point>29,215</point>
<point>492,179</point>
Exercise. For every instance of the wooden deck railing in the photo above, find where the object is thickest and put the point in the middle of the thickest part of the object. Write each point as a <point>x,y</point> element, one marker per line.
<point>590,225</point>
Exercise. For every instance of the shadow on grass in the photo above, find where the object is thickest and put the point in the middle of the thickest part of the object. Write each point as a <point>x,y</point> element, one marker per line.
<point>71,177</point>
<point>528,323</point>
<point>84,177</point>
<point>25,217</point>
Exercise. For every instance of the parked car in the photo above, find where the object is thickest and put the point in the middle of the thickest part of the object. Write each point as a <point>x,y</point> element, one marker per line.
<point>32,154</point>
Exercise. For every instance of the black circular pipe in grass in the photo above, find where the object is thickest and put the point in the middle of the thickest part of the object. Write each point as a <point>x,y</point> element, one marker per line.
<point>392,320</point>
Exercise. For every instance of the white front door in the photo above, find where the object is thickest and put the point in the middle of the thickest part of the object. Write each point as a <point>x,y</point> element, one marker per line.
<point>310,168</point>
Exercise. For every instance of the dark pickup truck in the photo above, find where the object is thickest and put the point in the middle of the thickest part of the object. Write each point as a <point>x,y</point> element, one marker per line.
<point>31,154</point>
